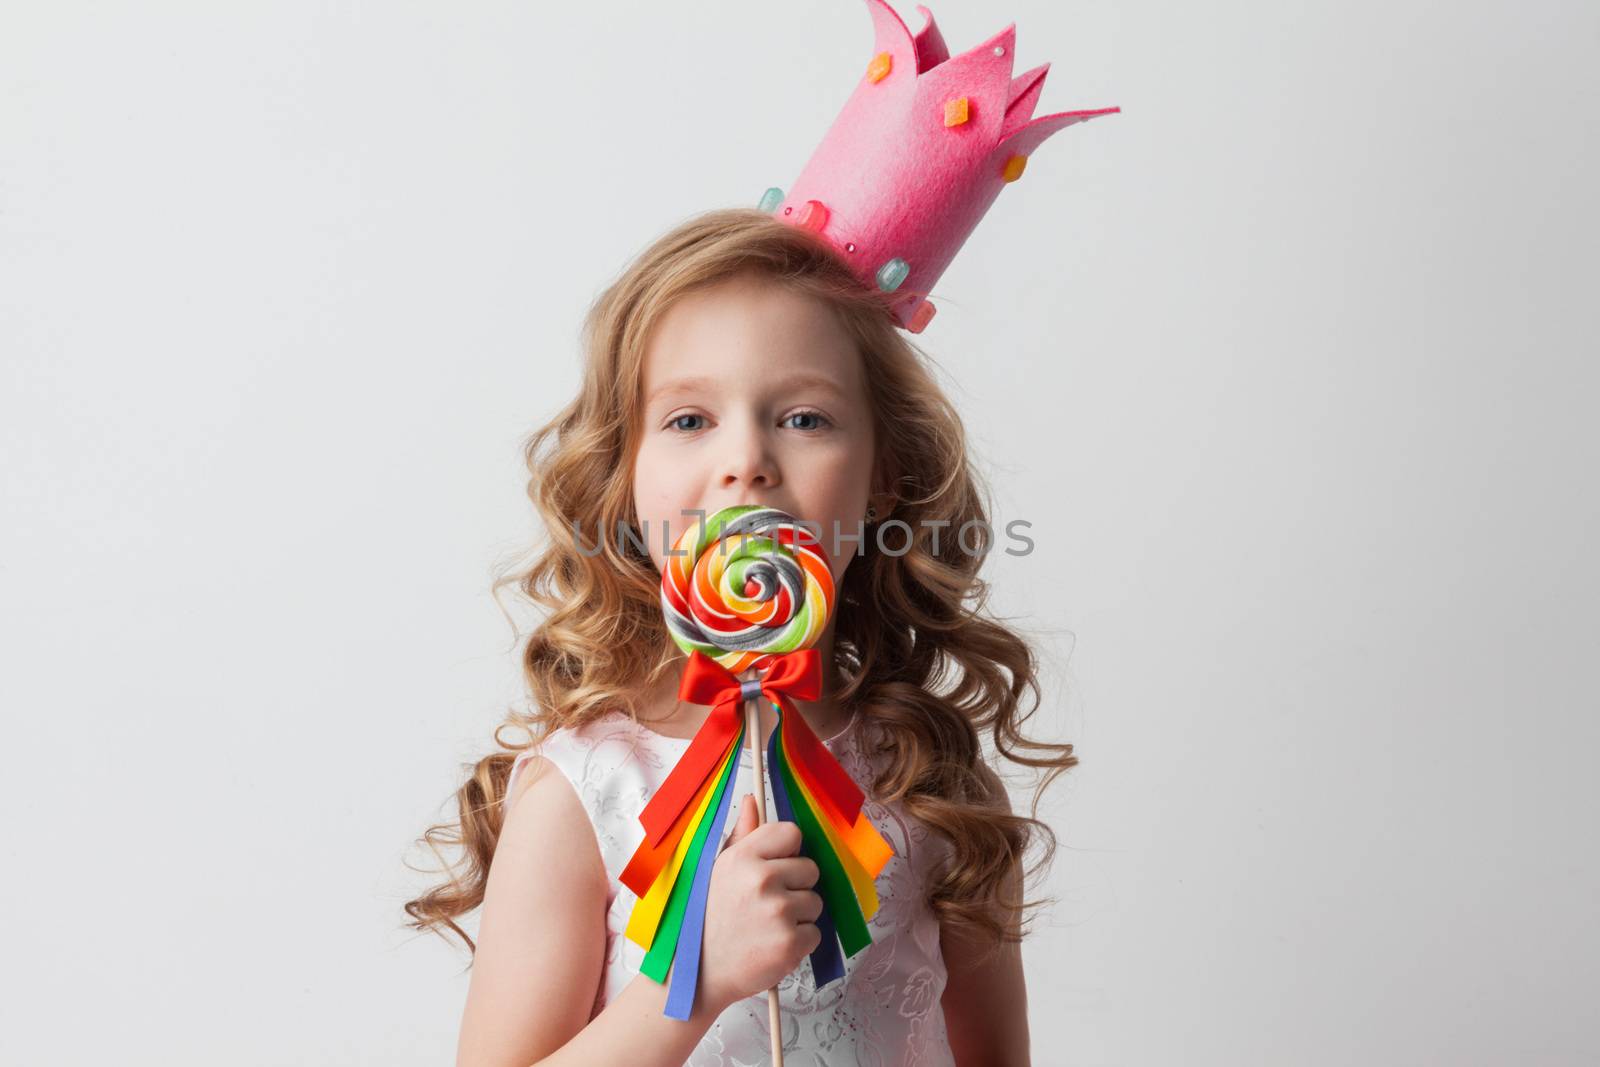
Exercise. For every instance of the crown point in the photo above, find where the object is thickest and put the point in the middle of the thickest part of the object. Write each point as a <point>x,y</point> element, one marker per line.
<point>770,200</point>
<point>892,273</point>
<point>880,66</point>
<point>924,315</point>
<point>1014,167</point>
<point>814,216</point>
<point>955,111</point>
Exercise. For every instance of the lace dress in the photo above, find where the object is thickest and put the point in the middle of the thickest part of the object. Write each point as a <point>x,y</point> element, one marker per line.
<point>884,1012</point>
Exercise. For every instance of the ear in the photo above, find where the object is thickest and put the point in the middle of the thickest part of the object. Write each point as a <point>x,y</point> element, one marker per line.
<point>882,505</point>
<point>879,496</point>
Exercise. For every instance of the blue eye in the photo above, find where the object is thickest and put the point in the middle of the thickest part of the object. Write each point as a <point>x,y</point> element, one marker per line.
<point>819,416</point>
<point>676,423</point>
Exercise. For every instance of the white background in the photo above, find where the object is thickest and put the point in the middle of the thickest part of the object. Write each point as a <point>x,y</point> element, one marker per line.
<point>1291,365</point>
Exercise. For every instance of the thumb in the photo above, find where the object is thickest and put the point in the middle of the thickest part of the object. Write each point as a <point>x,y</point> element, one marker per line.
<point>746,822</point>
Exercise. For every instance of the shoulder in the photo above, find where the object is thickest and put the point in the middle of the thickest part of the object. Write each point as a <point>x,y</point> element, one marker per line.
<point>544,795</point>
<point>543,915</point>
<point>610,764</point>
<point>544,818</point>
<point>545,849</point>
<point>547,831</point>
<point>589,755</point>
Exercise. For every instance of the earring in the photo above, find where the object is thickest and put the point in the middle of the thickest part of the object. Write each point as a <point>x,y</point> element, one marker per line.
<point>872,513</point>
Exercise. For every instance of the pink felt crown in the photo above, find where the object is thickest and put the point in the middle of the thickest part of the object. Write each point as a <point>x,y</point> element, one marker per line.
<point>921,149</point>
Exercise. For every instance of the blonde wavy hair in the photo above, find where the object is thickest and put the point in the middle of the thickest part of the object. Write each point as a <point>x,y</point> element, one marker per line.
<point>920,656</point>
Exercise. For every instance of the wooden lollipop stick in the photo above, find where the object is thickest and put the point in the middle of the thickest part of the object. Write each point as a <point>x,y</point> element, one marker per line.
<point>758,779</point>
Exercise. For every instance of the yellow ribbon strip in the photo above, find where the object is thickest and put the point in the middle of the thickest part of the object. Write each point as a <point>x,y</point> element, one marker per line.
<point>647,911</point>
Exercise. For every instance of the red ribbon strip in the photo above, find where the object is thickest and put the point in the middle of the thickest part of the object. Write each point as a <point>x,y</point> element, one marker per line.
<point>705,681</point>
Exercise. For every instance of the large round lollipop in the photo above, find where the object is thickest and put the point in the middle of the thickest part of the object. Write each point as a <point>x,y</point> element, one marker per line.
<point>743,586</point>
<point>746,583</point>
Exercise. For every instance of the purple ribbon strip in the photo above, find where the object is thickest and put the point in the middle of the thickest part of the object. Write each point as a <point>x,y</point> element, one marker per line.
<point>686,960</point>
<point>827,962</point>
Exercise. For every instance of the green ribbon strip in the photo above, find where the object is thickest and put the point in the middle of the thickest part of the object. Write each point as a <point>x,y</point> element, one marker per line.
<point>833,883</point>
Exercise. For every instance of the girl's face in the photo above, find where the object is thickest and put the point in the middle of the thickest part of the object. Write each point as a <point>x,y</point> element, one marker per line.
<point>753,394</point>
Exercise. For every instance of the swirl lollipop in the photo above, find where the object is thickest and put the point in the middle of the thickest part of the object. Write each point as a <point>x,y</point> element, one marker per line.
<point>746,584</point>
<point>748,590</point>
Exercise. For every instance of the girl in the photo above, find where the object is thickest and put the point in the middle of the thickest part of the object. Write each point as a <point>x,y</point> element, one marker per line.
<point>738,361</point>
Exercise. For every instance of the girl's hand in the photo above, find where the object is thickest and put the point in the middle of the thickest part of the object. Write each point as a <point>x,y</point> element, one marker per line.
<point>761,910</point>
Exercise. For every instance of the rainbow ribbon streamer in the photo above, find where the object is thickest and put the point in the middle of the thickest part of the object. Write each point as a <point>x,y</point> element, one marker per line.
<point>670,872</point>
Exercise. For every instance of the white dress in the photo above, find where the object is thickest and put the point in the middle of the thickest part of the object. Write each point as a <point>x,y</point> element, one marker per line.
<point>884,1012</point>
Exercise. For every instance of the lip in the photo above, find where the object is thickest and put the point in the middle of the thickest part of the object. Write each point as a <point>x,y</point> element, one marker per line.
<point>760,504</point>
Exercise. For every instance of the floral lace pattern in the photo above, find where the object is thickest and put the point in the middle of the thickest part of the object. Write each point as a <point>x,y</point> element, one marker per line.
<point>884,1012</point>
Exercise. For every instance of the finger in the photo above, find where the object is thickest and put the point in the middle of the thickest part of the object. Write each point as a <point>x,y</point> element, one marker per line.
<point>746,823</point>
<point>775,840</point>
<point>810,937</point>
<point>797,872</point>
<point>803,906</point>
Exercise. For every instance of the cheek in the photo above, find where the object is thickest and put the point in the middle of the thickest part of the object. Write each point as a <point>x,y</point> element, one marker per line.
<point>841,498</point>
<point>646,486</point>
<point>842,484</point>
<point>652,479</point>
<point>660,492</point>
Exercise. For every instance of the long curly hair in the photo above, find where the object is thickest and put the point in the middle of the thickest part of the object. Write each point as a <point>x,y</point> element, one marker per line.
<point>920,656</point>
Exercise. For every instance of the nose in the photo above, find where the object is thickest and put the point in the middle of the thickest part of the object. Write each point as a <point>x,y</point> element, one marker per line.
<point>749,462</point>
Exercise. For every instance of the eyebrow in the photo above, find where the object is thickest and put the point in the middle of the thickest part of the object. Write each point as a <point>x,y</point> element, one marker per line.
<point>794,381</point>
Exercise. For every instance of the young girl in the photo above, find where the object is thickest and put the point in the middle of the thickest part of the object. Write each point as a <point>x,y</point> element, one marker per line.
<point>738,361</point>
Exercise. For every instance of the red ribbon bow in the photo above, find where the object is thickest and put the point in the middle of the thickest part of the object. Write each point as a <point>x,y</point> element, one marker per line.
<point>705,681</point>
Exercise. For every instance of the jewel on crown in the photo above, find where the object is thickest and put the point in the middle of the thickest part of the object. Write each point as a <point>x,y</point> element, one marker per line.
<point>920,150</point>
